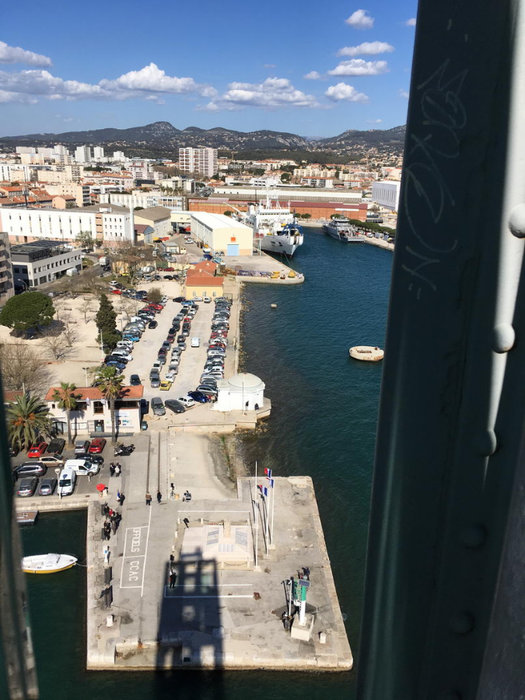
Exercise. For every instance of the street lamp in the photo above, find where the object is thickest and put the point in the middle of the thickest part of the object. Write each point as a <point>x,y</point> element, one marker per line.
<point>85,374</point>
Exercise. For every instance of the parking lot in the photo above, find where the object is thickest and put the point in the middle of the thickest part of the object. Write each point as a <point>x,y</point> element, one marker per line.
<point>191,359</point>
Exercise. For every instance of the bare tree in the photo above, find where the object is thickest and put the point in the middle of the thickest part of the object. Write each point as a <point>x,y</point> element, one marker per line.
<point>57,346</point>
<point>22,368</point>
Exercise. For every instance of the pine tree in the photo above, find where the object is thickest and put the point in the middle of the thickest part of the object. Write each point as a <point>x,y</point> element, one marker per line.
<point>106,320</point>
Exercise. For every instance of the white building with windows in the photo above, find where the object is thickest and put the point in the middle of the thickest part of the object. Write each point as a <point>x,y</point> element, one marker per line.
<point>198,160</point>
<point>42,261</point>
<point>386,193</point>
<point>106,223</point>
<point>83,154</point>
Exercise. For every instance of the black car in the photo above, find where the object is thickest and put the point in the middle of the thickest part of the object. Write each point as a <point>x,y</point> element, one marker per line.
<point>134,380</point>
<point>179,299</point>
<point>56,446</point>
<point>29,469</point>
<point>124,450</point>
<point>152,324</point>
<point>94,459</point>
<point>198,396</point>
<point>174,406</point>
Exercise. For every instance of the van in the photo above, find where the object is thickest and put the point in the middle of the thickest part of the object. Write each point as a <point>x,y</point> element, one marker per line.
<point>82,466</point>
<point>66,481</point>
<point>195,342</point>
<point>157,406</point>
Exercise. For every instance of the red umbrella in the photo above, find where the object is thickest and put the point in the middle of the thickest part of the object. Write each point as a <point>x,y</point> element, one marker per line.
<point>101,487</point>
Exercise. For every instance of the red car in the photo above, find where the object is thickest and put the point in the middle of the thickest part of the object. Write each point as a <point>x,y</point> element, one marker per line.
<point>97,445</point>
<point>116,291</point>
<point>157,307</point>
<point>37,450</point>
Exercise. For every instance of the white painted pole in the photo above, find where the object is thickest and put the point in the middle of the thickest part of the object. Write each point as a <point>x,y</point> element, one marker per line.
<point>256,516</point>
<point>273,506</point>
<point>266,521</point>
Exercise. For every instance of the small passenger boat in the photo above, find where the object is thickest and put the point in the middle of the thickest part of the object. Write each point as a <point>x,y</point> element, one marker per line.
<point>366,353</point>
<point>47,563</point>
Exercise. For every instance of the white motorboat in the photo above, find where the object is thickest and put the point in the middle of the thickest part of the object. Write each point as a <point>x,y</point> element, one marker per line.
<point>47,563</point>
<point>342,230</point>
<point>366,353</point>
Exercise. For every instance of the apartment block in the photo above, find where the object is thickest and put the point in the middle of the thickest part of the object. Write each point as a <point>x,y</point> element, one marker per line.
<point>198,160</point>
<point>42,261</point>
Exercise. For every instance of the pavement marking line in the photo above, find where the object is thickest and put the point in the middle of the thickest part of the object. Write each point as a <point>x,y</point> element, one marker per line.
<point>204,597</point>
<point>146,552</point>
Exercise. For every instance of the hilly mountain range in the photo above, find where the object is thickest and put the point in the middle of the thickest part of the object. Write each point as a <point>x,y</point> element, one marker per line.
<point>163,139</point>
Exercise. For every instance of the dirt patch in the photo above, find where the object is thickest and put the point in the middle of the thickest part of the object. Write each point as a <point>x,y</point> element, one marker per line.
<point>226,455</point>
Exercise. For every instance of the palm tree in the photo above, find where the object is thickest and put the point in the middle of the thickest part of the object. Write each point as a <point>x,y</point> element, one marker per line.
<point>27,418</point>
<point>109,381</point>
<point>67,400</point>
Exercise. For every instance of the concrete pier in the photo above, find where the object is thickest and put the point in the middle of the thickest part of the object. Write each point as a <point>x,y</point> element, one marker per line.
<point>223,605</point>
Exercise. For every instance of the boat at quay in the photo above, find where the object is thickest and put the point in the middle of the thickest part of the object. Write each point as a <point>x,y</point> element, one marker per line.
<point>342,230</point>
<point>47,563</point>
<point>366,353</point>
<point>275,228</point>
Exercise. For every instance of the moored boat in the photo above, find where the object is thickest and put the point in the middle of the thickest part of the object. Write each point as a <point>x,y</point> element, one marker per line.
<point>274,228</point>
<point>342,230</point>
<point>47,563</point>
<point>366,353</point>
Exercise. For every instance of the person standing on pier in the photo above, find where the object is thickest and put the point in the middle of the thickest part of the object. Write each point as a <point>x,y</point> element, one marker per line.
<point>159,497</point>
<point>148,498</point>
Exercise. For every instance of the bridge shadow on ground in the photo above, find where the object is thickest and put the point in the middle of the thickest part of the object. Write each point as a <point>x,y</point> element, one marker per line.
<point>190,628</point>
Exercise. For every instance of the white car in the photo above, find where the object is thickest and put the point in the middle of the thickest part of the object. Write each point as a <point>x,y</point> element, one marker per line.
<point>171,373</point>
<point>121,352</point>
<point>186,401</point>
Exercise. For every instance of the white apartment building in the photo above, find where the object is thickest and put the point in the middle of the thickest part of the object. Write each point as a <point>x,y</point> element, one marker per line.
<point>386,193</point>
<point>139,198</point>
<point>198,160</point>
<point>83,154</point>
<point>118,156</point>
<point>106,223</point>
<point>14,172</point>
<point>98,153</point>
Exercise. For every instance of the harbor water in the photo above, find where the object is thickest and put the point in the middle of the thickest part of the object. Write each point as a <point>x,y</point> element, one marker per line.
<point>323,422</point>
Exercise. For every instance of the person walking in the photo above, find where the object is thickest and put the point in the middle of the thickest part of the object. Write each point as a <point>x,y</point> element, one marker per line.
<point>159,497</point>
<point>121,498</point>
<point>148,498</point>
<point>173,578</point>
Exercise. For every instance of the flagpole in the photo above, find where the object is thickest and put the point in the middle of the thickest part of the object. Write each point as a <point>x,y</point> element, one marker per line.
<point>255,512</point>
<point>266,518</point>
<point>273,505</point>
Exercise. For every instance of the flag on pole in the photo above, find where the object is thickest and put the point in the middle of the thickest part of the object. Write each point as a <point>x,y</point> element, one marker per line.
<point>271,482</point>
<point>260,487</point>
<point>268,472</point>
<point>265,491</point>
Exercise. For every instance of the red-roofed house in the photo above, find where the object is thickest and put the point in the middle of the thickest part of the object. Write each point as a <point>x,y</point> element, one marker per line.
<point>201,281</point>
<point>93,415</point>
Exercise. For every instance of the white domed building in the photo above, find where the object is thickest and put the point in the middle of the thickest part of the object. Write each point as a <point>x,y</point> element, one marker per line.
<point>242,392</point>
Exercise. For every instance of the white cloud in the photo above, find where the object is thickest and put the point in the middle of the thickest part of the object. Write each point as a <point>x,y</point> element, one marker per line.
<point>342,91</point>
<point>360,19</point>
<point>272,93</point>
<point>312,75</point>
<point>369,48</point>
<point>358,66</point>
<point>374,121</point>
<point>404,94</point>
<point>146,83</point>
<point>152,79</point>
<point>7,97</point>
<point>14,54</point>
<point>270,65</point>
<point>411,22</point>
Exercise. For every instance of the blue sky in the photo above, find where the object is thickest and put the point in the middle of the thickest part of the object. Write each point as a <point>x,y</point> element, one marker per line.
<point>310,68</point>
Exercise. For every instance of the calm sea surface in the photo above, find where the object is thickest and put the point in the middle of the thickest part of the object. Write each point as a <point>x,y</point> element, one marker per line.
<point>323,424</point>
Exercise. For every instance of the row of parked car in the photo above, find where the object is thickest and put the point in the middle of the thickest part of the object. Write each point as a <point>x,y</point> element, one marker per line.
<point>181,325</point>
<point>145,318</point>
<point>214,366</point>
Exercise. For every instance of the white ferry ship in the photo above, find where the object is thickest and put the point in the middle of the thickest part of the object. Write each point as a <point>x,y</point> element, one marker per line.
<point>274,228</point>
<point>342,230</point>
